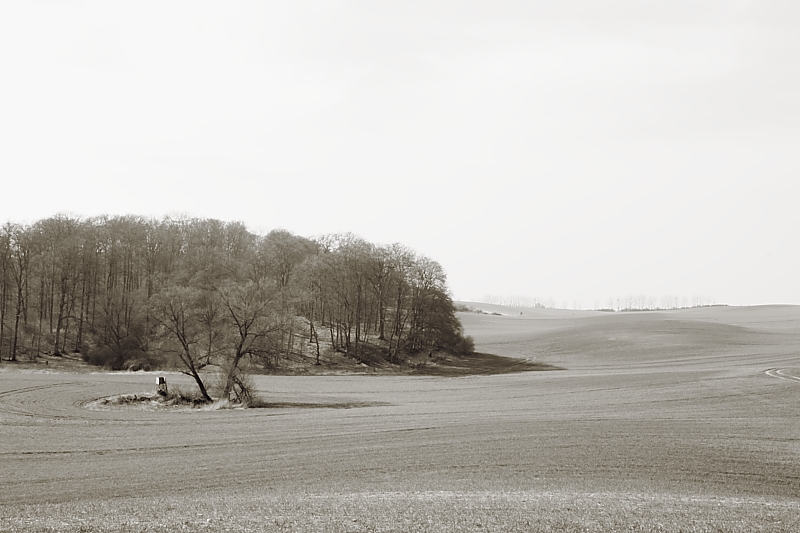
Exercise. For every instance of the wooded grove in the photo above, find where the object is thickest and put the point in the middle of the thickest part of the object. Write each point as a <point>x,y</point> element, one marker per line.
<point>132,292</point>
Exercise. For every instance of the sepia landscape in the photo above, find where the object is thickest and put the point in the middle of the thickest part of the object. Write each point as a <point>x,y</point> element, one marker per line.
<point>679,420</point>
<point>368,267</point>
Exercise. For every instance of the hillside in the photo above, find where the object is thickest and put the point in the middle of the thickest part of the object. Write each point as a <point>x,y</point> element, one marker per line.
<point>587,339</point>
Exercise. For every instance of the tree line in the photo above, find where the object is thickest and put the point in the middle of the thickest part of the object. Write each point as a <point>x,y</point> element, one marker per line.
<point>637,302</point>
<point>138,292</point>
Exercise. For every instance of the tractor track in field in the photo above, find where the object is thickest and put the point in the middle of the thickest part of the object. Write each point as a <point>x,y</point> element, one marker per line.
<point>9,403</point>
<point>30,389</point>
<point>30,403</point>
<point>780,373</point>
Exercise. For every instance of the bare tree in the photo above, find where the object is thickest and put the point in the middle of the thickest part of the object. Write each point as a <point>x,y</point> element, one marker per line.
<point>188,329</point>
<point>21,247</point>
<point>5,281</point>
<point>248,311</point>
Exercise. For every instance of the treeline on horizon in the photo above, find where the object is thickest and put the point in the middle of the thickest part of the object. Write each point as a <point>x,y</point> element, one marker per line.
<point>130,291</point>
<point>639,302</point>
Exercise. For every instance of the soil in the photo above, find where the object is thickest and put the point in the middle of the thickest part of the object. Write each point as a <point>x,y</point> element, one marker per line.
<point>680,421</point>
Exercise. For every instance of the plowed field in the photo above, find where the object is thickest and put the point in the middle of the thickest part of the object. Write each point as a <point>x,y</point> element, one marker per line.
<point>670,421</point>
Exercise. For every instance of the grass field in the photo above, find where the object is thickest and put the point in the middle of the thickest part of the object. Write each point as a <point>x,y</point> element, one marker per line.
<point>658,421</point>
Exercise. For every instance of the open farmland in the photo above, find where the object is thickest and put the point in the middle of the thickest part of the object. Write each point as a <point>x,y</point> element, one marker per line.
<point>660,421</point>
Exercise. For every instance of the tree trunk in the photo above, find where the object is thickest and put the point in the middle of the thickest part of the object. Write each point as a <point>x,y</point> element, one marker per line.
<point>16,328</point>
<point>2,315</point>
<point>316,339</point>
<point>59,323</point>
<point>79,335</point>
<point>226,392</point>
<point>64,341</point>
<point>381,321</point>
<point>201,386</point>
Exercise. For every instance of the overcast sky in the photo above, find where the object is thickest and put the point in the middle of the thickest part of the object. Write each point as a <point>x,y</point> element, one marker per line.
<point>566,150</point>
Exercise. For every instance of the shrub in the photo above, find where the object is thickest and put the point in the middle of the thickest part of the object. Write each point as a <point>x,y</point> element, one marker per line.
<point>464,345</point>
<point>126,356</point>
<point>134,365</point>
<point>243,391</point>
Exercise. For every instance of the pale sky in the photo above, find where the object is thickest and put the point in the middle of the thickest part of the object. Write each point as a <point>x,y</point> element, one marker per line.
<point>575,150</point>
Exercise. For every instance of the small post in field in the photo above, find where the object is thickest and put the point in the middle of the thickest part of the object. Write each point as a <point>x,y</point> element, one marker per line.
<point>162,385</point>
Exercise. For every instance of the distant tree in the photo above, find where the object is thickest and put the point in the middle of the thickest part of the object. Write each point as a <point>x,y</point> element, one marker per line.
<point>427,283</point>
<point>310,299</point>
<point>5,280</point>
<point>22,250</point>
<point>279,256</point>
<point>342,271</point>
<point>382,277</point>
<point>60,245</point>
<point>402,262</point>
<point>120,330</point>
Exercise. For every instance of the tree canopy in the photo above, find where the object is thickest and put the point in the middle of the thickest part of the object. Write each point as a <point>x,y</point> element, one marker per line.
<point>134,292</point>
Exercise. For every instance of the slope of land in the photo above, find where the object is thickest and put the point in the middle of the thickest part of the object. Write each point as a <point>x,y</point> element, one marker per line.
<point>660,421</point>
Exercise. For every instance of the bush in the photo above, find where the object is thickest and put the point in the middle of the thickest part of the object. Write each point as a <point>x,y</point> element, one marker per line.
<point>134,365</point>
<point>102,356</point>
<point>127,356</point>
<point>178,396</point>
<point>243,391</point>
<point>465,346</point>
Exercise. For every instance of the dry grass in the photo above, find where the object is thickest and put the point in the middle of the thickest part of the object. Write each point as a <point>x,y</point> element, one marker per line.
<point>659,422</point>
<point>174,399</point>
<point>413,512</point>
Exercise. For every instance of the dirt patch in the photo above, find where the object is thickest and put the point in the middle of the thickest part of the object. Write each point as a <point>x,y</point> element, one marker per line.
<point>259,404</point>
<point>479,364</point>
<point>146,401</point>
<point>154,401</point>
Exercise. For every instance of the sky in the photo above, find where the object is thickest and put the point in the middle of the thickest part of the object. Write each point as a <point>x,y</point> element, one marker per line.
<point>575,151</point>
